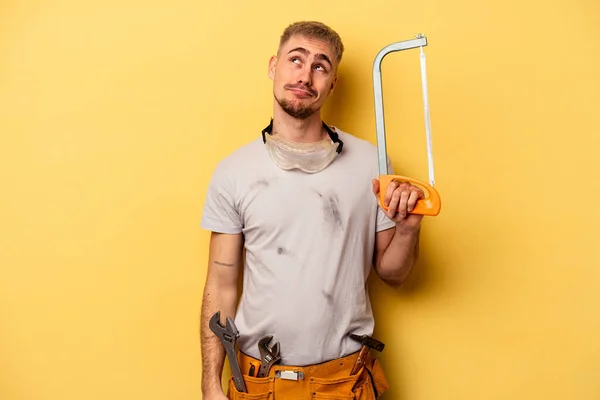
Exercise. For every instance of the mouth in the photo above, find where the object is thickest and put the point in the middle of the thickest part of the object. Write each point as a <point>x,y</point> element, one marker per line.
<point>300,92</point>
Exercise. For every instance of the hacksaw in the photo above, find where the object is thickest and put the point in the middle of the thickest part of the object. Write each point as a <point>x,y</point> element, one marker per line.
<point>431,204</point>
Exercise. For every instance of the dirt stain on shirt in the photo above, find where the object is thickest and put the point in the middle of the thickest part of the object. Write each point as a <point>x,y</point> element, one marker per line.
<point>331,212</point>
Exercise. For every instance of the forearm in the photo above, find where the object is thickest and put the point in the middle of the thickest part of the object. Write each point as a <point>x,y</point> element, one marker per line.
<point>399,257</point>
<point>220,295</point>
<point>213,354</point>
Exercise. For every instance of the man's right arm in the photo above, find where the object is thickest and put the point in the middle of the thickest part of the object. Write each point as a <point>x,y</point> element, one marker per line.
<point>220,294</point>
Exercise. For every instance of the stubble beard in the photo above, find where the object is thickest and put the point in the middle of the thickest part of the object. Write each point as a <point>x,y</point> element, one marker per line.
<point>296,110</point>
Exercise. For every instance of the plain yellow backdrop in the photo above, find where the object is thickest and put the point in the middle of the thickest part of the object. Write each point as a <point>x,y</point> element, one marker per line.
<point>114,113</point>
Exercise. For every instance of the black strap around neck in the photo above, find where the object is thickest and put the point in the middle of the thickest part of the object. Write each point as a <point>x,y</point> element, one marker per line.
<point>332,135</point>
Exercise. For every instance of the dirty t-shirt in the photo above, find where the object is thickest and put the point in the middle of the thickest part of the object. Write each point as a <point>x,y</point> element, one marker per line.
<point>309,242</point>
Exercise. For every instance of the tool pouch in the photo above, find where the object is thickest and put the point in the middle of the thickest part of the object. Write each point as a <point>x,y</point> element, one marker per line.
<point>372,382</point>
<point>257,388</point>
<point>367,384</point>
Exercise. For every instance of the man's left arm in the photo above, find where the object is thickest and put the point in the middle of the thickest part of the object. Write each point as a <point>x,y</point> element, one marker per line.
<point>397,248</point>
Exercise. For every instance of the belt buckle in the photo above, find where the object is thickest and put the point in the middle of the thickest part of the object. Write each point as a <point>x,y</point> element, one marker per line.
<point>289,375</point>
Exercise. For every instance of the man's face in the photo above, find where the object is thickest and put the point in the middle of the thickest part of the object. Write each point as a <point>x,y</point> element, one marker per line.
<point>304,74</point>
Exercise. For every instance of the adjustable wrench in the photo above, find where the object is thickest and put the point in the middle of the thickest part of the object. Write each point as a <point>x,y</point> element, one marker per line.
<point>268,356</point>
<point>228,335</point>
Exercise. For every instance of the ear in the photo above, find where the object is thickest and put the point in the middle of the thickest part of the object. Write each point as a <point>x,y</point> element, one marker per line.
<point>272,67</point>
<point>333,84</point>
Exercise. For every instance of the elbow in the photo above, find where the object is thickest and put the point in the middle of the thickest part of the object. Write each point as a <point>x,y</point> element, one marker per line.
<point>394,282</point>
<point>396,276</point>
<point>395,279</point>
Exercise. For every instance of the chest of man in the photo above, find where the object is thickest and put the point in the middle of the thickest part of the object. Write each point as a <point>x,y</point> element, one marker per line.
<point>295,203</point>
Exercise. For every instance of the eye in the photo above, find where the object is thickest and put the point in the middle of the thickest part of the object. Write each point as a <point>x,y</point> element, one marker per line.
<point>295,60</point>
<point>320,67</point>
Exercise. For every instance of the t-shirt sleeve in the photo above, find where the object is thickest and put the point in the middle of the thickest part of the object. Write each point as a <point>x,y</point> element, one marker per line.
<point>221,213</point>
<point>383,222</point>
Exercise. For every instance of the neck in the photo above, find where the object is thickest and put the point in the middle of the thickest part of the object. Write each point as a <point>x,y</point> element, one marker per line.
<point>298,130</point>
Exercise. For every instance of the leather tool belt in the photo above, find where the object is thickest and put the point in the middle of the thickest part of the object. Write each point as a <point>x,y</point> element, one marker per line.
<point>328,380</point>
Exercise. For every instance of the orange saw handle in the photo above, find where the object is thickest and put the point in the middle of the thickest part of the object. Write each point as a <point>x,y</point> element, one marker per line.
<point>430,205</point>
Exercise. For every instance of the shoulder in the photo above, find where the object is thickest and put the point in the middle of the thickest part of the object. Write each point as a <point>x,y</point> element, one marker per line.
<point>356,147</point>
<point>360,154</point>
<point>354,142</point>
<point>239,166</point>
<point>241,158</point>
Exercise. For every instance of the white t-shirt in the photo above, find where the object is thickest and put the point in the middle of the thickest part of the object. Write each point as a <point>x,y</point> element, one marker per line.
<point>309,242</point>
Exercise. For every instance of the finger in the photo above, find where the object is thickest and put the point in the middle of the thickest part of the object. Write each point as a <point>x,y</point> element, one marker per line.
<point>404,195</point>
<point>390,192</point>
<point>406,186</point>
<point>394,202</point>
<point>415,195</point>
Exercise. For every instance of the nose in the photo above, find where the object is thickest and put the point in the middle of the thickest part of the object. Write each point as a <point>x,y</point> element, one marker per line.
<point>305,77</point>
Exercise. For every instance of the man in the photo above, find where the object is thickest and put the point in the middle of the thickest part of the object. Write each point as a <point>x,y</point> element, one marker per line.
<point>297,209</point>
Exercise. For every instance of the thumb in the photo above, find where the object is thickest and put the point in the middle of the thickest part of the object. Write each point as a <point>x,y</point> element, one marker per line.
<point>375,183</point>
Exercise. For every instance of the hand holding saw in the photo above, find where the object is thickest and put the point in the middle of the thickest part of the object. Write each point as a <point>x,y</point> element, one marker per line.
<point>431,204</point>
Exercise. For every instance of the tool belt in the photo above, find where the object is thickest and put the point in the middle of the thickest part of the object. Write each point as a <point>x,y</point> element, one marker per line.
<point>328,380</point>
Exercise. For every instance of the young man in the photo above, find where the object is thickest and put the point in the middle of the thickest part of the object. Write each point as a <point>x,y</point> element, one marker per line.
<point>297,209</point>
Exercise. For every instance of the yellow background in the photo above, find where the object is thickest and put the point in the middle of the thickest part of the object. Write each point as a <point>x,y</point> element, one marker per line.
<point>114,113</point>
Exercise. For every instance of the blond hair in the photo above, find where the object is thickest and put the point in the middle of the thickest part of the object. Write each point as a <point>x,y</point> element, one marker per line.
<point>315,30</point>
